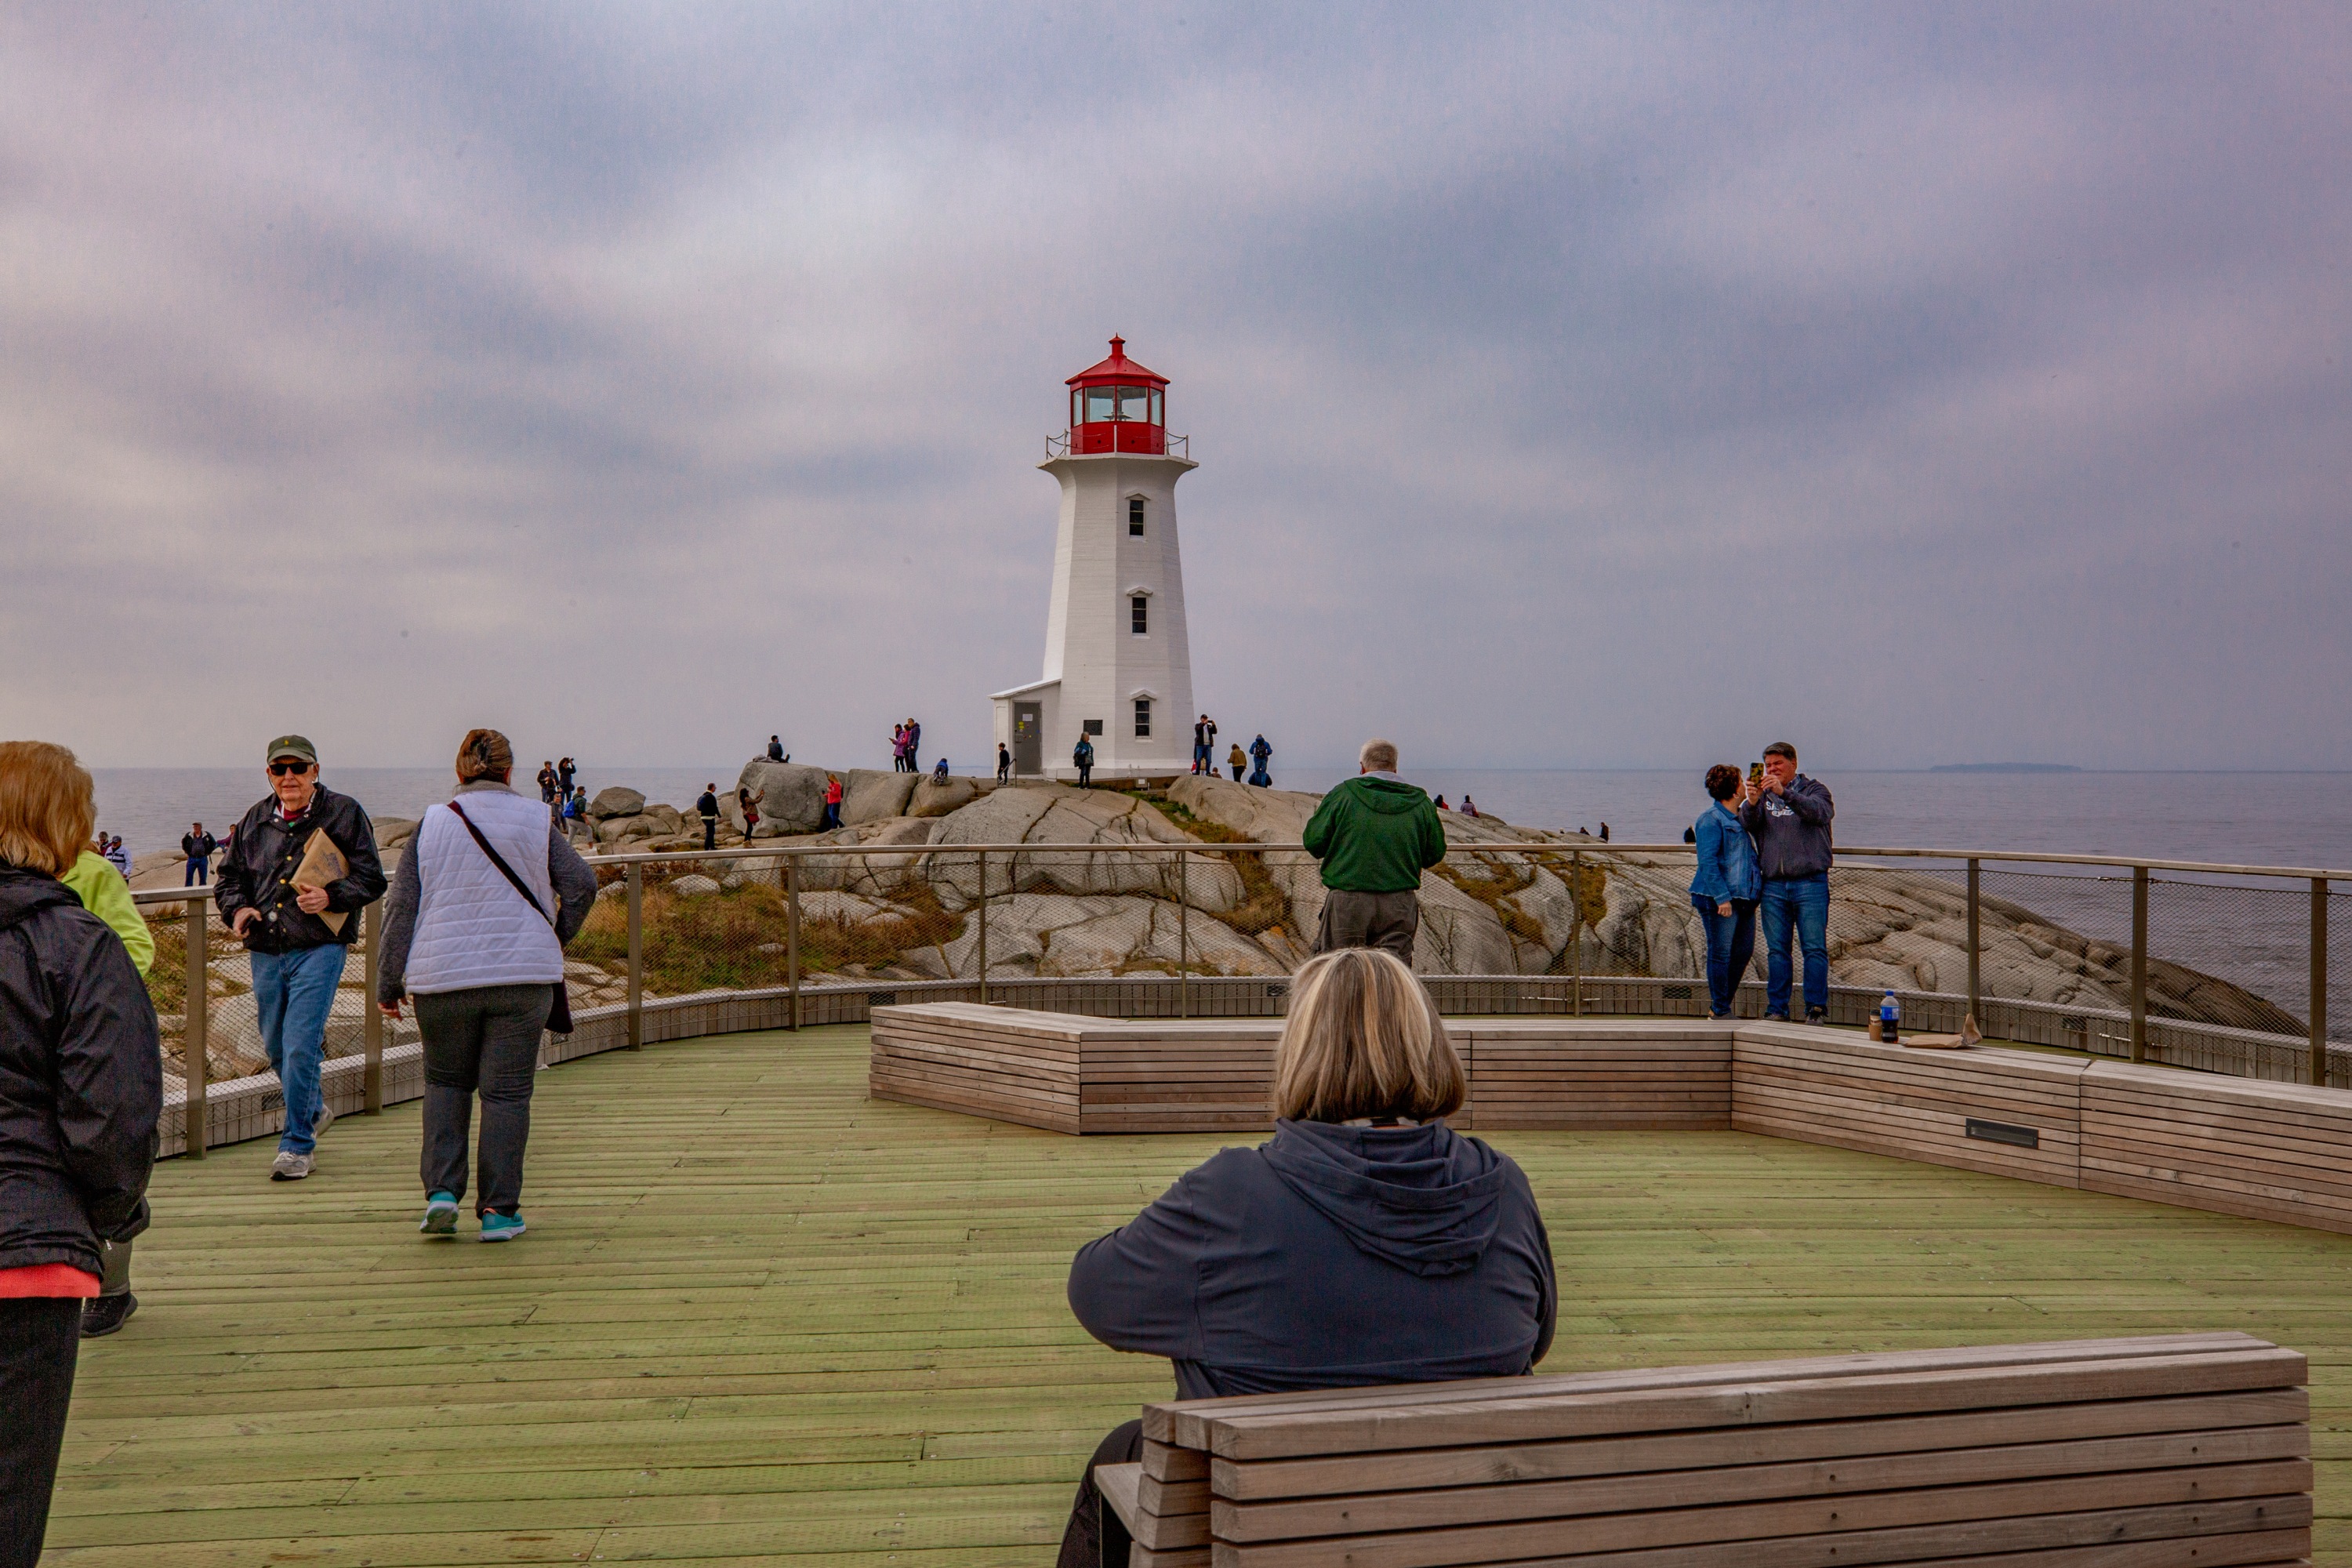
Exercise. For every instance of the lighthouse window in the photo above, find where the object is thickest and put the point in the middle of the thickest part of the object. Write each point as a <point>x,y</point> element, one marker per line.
<point>1143,718</point>
<point>1102,403</point>
<point>1135,403</point>
<point>1139,610</point>
<point>1135,517</point>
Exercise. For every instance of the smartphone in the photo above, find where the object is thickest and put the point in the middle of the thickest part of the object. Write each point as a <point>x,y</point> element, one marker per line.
<point>1755,772</point>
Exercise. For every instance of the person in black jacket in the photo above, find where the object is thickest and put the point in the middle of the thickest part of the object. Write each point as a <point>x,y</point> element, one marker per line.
<point>198,847</point>
<point>82,1086</point>
<point>706,806</point>
<point>1788,815</point>
<point>297,937</point>
<point>1366,1244</point>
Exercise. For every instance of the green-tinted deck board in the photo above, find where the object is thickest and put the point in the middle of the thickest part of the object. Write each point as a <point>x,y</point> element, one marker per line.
<point>759,1319</point>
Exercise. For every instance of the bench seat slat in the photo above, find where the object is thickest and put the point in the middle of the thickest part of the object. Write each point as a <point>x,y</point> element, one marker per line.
<point>1956,1505</point>
<point>1252,1482</point>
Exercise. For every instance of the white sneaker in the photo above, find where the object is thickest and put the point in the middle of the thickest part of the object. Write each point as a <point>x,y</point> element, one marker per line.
<point>326,1116</point>
<point>289,1166</point>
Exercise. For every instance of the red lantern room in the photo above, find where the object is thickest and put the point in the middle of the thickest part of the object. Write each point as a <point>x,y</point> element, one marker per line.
<point>1118,406</point>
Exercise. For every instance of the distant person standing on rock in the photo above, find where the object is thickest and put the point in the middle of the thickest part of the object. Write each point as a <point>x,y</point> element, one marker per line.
<point>775,748</point>
<point>575,815</point>
<point>564,772</point>
<point>548,783</point>
<point>914,747</point>
<point>1204,742</point>
<point>1082,757</point>
<point>298,953</point>
<point>487,894</point>
<point>81,1089</point>
<point>751,810</point>
<point>1004,763</point>
<point>1788,815</point>
<point>833,793</point>
<point>899,748</point>
<point>1725,887</point>
<point>1237,760</point>
<point>1260,752</point>
<point>198,845</point>
<point>1375,835</point>
<point>706,805</point>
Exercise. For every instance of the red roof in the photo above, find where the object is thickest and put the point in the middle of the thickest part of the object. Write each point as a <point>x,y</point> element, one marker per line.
<point>1118,368</point>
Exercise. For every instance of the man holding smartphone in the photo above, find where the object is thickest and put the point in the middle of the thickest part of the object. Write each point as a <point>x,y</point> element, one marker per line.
<point>1788,816</point>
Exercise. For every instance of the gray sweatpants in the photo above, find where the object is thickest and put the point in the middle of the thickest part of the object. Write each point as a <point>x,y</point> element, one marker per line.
<point>1388,920</point>
<point>486,1038</point>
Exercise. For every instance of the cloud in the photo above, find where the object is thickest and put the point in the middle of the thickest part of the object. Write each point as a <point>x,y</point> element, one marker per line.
<point>1591,386</point>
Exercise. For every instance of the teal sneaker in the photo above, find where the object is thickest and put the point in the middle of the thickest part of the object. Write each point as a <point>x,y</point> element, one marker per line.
<point>497,1226</point>
<point>440,1215</point>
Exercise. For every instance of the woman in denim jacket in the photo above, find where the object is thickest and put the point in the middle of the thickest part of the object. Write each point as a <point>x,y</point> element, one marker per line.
<point>1726,887</point>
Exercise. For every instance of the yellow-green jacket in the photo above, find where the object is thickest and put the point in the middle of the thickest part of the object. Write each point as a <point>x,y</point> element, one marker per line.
<point>104,893</point>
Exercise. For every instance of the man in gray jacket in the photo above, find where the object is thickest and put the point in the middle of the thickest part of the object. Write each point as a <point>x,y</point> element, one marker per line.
<point>1789,820</point>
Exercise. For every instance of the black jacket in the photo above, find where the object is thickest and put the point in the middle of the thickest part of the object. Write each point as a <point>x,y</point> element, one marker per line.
<point>196,847</point>
<point>706,804</point>
<point>81,1080</point>
<point>258,869</point>
<point>1330,1258</point>
<point>1791,829</point>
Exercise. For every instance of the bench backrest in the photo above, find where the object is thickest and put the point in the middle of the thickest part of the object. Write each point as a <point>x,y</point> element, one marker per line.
<point>2093,1452</point>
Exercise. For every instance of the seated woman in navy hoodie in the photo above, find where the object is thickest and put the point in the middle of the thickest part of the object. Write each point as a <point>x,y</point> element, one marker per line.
<point>1366,1244</point>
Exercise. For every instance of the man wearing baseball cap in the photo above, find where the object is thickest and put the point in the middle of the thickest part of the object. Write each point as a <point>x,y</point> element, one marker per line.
<point>297,937</point>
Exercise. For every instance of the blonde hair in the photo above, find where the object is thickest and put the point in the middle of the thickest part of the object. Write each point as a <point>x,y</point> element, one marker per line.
<point>484,753</point>
<point>47,809</point>
<point>1363,1039</point>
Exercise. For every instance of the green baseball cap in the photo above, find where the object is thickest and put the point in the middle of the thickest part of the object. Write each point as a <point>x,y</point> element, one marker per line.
<point>295,746</point>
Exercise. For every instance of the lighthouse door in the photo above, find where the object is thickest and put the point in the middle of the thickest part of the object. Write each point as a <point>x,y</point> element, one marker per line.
<point>1028,739</point>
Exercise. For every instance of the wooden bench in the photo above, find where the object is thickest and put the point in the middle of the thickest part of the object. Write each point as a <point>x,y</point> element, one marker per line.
<point>2130,1453</point>
<point>2268,1150</point>
<point>1599,1074</point>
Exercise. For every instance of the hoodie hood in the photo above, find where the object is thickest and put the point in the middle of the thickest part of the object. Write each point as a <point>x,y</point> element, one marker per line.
<point>1417,1197</point>
<point>25,894</point>
<point>1388,797</point>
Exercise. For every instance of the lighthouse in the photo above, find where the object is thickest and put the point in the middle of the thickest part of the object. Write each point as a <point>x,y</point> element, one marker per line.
<point>1119,668</point>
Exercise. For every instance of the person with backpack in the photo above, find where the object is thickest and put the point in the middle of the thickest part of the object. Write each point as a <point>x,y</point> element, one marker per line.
<point>1259,753</point>
<point>198,845</point>
<point>1082,757</point>
<point>485,897</point>
<point>706,806</point>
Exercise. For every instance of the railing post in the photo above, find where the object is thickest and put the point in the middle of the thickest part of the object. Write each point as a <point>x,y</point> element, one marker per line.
<point>1576,933</point>
<point>2319,982</point>
<point>1184,936</point>
<point>2139,964</point>
<point>636,884</point>
<point>371,1018</point>
<point>982,918</point>
<point>1976,944</point>
<point>793,934</point>
<point>195,1065</point>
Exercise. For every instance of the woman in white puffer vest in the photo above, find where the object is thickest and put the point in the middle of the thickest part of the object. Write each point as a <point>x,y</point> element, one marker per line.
<point>487,894</point>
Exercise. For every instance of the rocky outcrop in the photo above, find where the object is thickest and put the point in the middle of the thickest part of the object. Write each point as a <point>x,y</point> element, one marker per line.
<point>869,794</point>
<point>790,796</point>
<point>935,797</point>
<point>616,800</point>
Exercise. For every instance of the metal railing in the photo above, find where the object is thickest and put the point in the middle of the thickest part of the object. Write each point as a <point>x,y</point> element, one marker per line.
<point>1172,445</point>
<point>2224,968</point>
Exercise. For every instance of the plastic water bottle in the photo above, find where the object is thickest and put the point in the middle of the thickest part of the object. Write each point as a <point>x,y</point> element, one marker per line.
<point>1890,1018</point>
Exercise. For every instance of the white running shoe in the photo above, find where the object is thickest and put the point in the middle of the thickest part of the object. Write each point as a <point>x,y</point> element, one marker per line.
<point>289,1166</point>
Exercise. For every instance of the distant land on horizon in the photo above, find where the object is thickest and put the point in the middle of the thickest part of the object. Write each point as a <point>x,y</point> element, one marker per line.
<point>2005,768</point>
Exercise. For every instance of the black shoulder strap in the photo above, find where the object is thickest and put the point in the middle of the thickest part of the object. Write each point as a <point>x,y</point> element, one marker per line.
<point>500,862</point>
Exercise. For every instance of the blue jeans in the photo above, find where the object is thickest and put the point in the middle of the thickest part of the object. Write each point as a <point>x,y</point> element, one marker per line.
<point>199,872</point>
<point>294,992</point>
<point>1805,901</point>
<point>1730,944</point>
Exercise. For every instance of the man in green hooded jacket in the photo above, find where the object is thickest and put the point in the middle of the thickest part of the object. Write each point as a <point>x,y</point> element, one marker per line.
<point>1375,835</point>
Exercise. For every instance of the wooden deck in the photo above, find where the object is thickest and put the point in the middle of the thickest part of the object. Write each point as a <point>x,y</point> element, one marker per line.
<point>759,1319</point>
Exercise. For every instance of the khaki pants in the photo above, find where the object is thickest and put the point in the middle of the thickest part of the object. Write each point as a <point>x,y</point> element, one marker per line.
<point>1387,920</point>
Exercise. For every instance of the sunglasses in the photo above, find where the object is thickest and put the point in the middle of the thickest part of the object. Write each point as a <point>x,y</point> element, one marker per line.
<point>282,770</point>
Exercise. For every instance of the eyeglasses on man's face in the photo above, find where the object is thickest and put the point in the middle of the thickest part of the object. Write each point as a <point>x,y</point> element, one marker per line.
<point>289,770</point>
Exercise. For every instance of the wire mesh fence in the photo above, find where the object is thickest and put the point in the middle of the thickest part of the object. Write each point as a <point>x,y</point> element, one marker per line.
<point>2158,964</point>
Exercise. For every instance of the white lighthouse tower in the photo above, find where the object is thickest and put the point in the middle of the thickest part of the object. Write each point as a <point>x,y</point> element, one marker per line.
<point>1118,668</point>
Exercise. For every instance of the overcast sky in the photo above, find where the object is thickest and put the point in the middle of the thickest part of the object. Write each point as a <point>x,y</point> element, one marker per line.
<point>1570,386</point>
